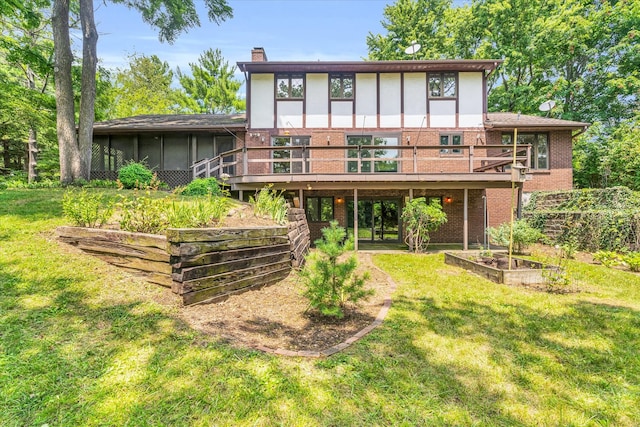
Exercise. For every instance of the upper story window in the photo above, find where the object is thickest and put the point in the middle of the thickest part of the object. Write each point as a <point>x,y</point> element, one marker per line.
<point>442,85</point>
<point>290,160</point>
<point>342,86</point>
<point>290,86</point>
<point>539,147</point>
<point>450,139</point>
<point>379,159</point>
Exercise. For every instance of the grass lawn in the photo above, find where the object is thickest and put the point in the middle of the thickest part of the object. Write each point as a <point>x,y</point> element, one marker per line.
<point>82,343</point>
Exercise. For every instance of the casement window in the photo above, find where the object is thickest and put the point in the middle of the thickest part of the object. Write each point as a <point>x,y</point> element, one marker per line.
<point>290,86</point>
<point>450,140</point>
<point>442,85</point>
<point>289,161</point>
<point>341,86</point>
<point>319,209</point>
<point>539,147</point>
<point>368,162</point>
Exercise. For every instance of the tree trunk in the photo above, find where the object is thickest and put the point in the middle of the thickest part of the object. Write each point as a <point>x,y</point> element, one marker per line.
<point>6,155</point>
<point>65,120</point>
<point>32,144</point>
<point>88,90</point>
<point>32,156</point>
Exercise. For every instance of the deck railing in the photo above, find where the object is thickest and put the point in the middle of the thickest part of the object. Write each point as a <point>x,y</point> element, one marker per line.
<point>361,159</point>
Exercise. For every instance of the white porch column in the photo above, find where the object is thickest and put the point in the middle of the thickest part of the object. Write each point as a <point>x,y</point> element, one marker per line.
<point>465,226</point>
<point>355,219</point>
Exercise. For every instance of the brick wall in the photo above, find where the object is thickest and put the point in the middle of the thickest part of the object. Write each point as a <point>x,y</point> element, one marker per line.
<point>451,232</point>
<point>559,176</point>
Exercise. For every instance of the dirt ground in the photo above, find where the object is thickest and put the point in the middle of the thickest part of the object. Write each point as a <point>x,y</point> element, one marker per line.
<point>277,316</point>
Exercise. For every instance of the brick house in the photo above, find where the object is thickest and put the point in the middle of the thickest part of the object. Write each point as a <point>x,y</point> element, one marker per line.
<point>353,141</point>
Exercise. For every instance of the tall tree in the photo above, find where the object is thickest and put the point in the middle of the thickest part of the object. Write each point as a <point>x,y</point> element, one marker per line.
<point>171,17</point>
<point>581,53</point>
<point>27,48</point>
<point>212,88</point>
<point>144,87</point>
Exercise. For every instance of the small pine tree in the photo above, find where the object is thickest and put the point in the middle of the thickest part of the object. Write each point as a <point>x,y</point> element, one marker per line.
<point>330,281</point>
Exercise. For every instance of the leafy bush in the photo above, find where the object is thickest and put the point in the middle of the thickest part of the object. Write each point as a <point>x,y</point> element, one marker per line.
<point>632,260</point>
<point>524,235</point>
<point>270,203</point>
<point>202,187</point>
<point>143,214</point>
<point>86,209</point>
<point>331,283</point>
<point>421,219</point>
<point>135,175</point>
<point>608,258</point>
<point>202,212</point>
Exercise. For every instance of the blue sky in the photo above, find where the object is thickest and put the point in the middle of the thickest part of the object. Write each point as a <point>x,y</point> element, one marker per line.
<point>303,30</point>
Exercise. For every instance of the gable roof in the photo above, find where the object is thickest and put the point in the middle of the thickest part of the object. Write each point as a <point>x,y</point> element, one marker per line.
<point>171,122</point>
<point>369,66</point>
<point>522,121</point>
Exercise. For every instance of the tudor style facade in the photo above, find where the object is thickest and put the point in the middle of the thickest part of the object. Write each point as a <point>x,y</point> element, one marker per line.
<point>353,141</point>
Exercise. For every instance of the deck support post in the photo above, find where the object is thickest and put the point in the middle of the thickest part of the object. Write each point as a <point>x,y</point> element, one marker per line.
<point>355,219</point>
<point>465,223</point>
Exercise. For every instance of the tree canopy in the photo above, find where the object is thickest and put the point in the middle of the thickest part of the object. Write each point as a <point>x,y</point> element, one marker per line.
<point>583,54</point>
<point>212,88</point>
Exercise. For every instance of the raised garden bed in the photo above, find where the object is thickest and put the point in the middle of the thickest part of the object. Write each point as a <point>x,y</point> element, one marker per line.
<point>204,264</point>
<point>496,267</point>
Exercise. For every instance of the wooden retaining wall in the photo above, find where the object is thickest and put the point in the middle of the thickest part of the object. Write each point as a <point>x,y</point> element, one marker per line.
<point>213,263</point>
<point>202,265</point>
<point>299,236</point>
<point>139,253</point>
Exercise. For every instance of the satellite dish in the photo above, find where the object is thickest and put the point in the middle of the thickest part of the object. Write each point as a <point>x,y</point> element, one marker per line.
<point>547,105</point>
<point>415,46</point>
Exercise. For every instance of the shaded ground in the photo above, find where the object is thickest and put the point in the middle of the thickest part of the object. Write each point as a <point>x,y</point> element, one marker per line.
<point>277,316</point>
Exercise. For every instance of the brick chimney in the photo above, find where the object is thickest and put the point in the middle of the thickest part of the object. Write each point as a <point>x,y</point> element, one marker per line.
<point>258,55</point>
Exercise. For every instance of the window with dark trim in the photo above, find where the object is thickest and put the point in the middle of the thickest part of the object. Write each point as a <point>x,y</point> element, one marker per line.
<point>341,86</point>
<point>319,209</point>
<point>386,156</point>
<point>442,85</point>
<point>290,86</point>
<point>450,139</point>
<point>539,147</point>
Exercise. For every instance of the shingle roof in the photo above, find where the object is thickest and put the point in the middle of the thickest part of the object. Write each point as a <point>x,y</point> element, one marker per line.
<point>168,122</point>
<point>207,122</point>
<point>370,66</point>
<point>513,120</point>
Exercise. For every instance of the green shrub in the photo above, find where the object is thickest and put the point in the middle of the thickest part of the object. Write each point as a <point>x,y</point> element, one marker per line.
<point>524,235</point>
<point>202,187</point>
<point>135,175</point>
<point>632,260</point>
<point>87,209</point>
<point>330,282</point>
<point>421,219</point>
<point>608,258</point>
<point>143,214</point>
<point>270,203</point>
<point>202,212</point>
